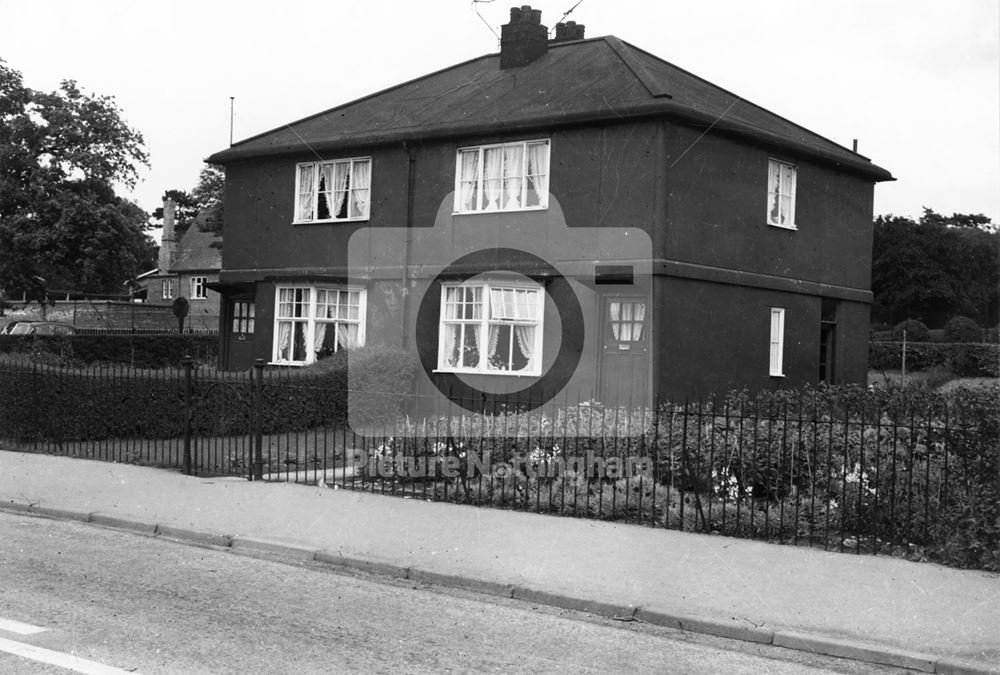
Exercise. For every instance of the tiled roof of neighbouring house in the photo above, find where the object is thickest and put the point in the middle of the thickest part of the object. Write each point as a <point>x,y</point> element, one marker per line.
<point>601,78</point>
<point>195,251</point>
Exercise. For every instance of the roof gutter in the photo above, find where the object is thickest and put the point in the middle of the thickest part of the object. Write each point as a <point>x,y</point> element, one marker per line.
<point>658,108</point>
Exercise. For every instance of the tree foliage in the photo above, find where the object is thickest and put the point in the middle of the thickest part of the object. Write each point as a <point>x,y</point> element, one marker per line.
<point>936,268</point>
<point>62,227</point>
<point>202,206</point>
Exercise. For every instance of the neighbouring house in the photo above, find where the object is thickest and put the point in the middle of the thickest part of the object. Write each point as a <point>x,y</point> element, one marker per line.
<point>571,217</point>
<point>186,268</point>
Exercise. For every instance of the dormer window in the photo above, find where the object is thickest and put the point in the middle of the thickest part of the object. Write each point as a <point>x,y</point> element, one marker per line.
<point>333,191</point>
<point>502,177</point>
<point>781,194</point>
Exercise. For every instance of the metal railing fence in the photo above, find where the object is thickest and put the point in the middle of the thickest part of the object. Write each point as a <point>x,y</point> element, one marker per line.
<point>850,470</point>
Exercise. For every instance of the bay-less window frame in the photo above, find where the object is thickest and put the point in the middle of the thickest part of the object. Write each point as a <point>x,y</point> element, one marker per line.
<point>777,343</point>
<point>523,175</point>
<point>198,290</point>
<point>781,189</point>
<point>167,289</point>
<point>352,189</point>
<point>310,319</point>
<point>484,322</point>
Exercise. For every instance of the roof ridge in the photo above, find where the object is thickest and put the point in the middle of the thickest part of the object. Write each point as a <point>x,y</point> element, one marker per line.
<point>741,99</point>
<point>638,69</point>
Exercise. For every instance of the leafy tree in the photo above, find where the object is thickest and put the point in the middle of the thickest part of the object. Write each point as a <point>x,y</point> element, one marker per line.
<point>61,224</point>
<point>185,211</point>
<point>208,196</point>
<point>201,206</point>
<point>936,268</point>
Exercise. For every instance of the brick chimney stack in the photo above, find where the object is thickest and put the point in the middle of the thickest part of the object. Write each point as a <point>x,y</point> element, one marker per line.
<point>168,243</point>
<point>571,30</point>
<point>524,39</point>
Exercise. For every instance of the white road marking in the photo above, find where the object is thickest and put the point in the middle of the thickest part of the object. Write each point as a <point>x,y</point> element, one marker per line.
<point>11,626</point>
<point>67,661</point>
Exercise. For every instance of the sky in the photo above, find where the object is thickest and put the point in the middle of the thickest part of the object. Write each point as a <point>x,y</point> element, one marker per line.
<point>917,82</point>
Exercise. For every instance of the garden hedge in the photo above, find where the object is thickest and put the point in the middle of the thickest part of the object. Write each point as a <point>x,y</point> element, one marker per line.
<point>965,359</point>
<point>962,329</point>
<point>57,402</point>
<point>916,331</point>
<point>139,351</point>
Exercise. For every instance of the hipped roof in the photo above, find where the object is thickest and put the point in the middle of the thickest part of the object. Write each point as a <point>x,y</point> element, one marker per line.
<point>575,82</point>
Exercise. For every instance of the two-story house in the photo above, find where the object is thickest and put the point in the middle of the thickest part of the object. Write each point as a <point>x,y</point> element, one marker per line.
<point>570,217</point>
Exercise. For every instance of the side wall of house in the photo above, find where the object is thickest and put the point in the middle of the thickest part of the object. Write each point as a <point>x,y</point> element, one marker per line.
<point>717,205</point>
<point>732,267</point>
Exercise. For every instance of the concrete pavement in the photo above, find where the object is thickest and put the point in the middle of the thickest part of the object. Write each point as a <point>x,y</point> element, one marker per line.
<point>878,609</point>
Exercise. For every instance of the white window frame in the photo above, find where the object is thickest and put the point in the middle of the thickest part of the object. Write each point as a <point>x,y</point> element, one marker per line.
<point>777,343</point>
<point>167,289</point>
<point>352,162</point>
<point>781,189</point>
<point>480,207</point>
<point>198,290</point>
<point>488,285</point>
<point>310,320</point>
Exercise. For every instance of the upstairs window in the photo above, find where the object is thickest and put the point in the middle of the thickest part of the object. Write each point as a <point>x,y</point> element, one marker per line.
<point>491,327</point>
<point>502,177</point>
<point>333,191</point>
<point>781,194</point>
<point>198,290</point>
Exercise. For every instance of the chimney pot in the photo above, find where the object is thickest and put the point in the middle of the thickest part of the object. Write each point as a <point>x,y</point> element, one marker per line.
<point>570,30</point>
<point>524,39</point>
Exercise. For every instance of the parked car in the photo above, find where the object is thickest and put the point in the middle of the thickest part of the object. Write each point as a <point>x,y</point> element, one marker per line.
<point>41,328</point>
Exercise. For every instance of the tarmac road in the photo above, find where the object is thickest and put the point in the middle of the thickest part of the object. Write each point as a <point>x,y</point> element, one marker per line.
<point>151,605</point>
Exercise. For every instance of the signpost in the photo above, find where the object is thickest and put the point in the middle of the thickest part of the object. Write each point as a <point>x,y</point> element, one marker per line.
<point>180,308</point>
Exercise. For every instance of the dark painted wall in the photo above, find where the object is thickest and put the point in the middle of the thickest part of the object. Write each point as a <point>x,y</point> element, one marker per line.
<point>717,192</point>
<point>715,337</point>
<point>702,200</point>
<point>602,177</point>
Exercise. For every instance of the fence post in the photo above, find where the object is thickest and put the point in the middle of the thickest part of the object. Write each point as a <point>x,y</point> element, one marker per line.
<point>188,364</point>
<point>258,426</point>
<point>35,407</point>
<point>903,358</point>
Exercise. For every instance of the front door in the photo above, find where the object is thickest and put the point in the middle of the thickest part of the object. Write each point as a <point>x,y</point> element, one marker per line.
<point>625,351</point>
<point>240,330</point>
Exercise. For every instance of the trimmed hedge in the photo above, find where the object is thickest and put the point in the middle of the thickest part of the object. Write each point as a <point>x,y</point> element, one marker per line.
<point>962,329</point>
<point>916,331</point>
<point>139,351</point>
<point>965,359</point>
<point>61,403</point>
